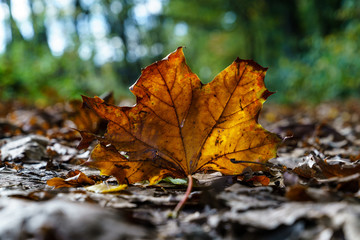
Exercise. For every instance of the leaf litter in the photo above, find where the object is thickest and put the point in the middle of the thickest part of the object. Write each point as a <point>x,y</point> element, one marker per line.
<point>312,192</point>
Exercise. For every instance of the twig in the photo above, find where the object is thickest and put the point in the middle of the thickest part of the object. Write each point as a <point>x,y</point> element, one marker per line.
<point>267,164</point>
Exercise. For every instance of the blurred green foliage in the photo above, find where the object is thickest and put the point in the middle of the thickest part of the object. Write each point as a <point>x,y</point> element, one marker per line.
<point>311,47</point>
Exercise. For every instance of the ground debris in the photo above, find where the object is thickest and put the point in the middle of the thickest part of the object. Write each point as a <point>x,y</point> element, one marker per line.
<point>59,219</point>
<point>312,189</point>
<point>31,147</point>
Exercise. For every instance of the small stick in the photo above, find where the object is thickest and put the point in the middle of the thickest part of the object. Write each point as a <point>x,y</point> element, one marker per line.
<point>260,163</point>
<point>178,207</point>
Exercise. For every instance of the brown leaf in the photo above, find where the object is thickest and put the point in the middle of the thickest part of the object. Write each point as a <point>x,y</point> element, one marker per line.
<point>85,118</point>
<point>73,179</point>
<point>298,193</point>
<point>86,139</point>
<point>180,126</point>
<point>349,184</point>
<point>263,180</point>
<point>316,166</point>
<point>338,168</point>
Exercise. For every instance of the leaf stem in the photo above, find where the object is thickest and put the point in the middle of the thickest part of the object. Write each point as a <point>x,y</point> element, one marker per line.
<point>184,199</point>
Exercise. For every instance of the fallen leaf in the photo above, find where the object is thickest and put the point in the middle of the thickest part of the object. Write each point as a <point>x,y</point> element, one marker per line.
<point>263,180</point>
<point>73,179</point>
<point>298,193</point>
<point>349,184</point>
<point>316,166</point>
<point>105,188</point>
<point>180,126</point>
<point>338,167</point>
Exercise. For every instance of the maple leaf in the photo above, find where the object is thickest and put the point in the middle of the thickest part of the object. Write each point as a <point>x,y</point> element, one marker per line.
<point>180,126</point>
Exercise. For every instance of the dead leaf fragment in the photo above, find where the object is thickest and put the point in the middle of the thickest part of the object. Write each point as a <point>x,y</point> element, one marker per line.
<point>105,188</point>
<point>180,126</point>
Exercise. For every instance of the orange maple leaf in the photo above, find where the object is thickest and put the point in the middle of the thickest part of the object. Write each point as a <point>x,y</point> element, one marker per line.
<point>180,126</point>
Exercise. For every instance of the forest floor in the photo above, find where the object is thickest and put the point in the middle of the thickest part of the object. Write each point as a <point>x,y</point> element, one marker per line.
<point>310,191</point>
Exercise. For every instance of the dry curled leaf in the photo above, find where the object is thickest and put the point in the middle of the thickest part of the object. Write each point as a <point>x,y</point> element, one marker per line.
<point>74,178</point>
<point>315,166</point>
<point>180,126</point>
<point>338,167</point>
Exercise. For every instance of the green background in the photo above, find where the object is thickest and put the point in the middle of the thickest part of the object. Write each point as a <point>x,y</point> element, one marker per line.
<point>312,48</point>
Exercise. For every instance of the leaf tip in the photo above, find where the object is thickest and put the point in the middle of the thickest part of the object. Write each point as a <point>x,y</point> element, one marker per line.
<point>255,65</point>
<point>238,60</point>
<point>86,101</point>
<point>86,139</point>
<point>177,53</point>
<point>84,98</point>
<point>266,94</point>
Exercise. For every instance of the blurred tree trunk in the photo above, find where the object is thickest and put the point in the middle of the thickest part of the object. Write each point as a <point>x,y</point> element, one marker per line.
<point>15,31</point>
